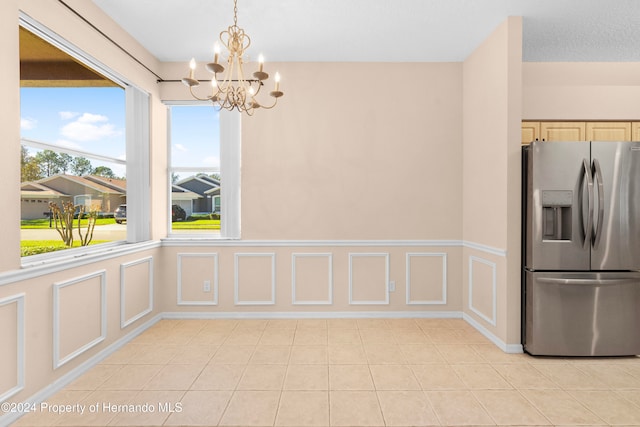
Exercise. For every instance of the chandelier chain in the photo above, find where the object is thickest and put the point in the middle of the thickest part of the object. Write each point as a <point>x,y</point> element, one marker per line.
<point>235,12</point>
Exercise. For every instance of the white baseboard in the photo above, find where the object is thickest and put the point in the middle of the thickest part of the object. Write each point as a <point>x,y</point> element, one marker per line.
<point>81,369</point>
<point>507,348</point>
<point>315,315</point>
<point>78,371</point>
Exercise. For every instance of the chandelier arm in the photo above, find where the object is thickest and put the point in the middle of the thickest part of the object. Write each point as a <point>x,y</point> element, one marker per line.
<point>245,87</point>
<point>242,39</point>
<point>240,73</point>
<point>233,98</point>
<point>227,77</point>
<point>259,85</point>
<point>224,88</point>
<point>228,37</point>
<point>270,106</point>
<point>215,90</point>
<point>196,96</point>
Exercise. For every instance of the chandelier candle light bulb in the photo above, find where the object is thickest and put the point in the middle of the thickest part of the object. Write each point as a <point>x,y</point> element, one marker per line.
<point>233,90</point>
<point>192,68</point>
<point>216,52</point>
<point>191,80</point>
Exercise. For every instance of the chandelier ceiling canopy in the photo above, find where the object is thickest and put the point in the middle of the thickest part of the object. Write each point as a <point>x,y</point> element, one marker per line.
<point>232,89</point>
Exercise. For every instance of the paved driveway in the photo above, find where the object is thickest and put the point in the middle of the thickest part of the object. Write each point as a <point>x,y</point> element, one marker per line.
<point>110,232</point>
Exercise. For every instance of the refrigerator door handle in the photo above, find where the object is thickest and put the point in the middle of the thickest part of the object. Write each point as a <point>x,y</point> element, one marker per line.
<point>597,230</point>
<point>600,282</point>
<point>589,225</point>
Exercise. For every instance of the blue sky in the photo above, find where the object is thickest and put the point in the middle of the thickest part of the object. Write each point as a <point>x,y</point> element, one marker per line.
<point>93,120</point>
<point>195,136</point>
<point>88,119</point>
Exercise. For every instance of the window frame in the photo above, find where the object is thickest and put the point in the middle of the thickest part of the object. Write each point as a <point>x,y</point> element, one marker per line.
<point>137,142</point>
<point>229,170</point>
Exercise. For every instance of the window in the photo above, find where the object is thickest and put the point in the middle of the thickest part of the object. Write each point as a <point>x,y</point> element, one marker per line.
<point>204,173</point>
<point>76,137</point>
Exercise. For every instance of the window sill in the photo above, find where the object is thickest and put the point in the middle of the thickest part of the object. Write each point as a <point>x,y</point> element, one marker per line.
<point>38,265</point>
<point>197,240</point>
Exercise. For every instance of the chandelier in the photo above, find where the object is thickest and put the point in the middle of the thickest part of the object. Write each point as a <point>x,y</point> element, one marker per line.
<point>234,90</point>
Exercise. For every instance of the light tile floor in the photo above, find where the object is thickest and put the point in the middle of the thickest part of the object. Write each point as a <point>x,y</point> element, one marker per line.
<point>342,372</point>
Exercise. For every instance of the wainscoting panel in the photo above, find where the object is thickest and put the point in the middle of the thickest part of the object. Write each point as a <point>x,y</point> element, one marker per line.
<point>426,278</point>
<point>483,288</point>
<point>198,279</point>
<point>312,278</point>
<point>136,290</point>
<point>340,278</point>
<point>255,279</point>
<point>12,347</point>
<point>79,316</point>
<point>368,278</point>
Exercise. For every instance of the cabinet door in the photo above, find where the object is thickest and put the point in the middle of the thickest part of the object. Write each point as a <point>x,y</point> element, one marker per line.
<point>635,131</point>
<point>562,131</point>
<point>608,131</point>
<point>530,132</point>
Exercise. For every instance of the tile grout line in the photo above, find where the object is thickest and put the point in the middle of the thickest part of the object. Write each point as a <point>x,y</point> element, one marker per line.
<point>492,362</point>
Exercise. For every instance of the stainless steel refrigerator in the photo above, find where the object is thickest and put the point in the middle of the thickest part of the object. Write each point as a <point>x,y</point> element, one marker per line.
<point>581,248</point>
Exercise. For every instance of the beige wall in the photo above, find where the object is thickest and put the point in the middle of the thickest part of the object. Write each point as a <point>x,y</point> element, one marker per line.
<point>385,166</point>
<point>351,182</point>
<point>491,196</point>
<point>345,158</point>
<point>349,153</point>
<point>581,91</point>
<point>79,303</point>
<point>352,154</point>
<point>72,290</point>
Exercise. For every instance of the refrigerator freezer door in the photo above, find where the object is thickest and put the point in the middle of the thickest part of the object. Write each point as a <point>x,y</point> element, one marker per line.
<point>559,199</point>
<point>616,237</point>
<point>582,314</point>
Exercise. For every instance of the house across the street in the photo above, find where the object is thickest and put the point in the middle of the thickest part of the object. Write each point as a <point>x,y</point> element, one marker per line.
<point>199,194</point>
<point>93,192</point>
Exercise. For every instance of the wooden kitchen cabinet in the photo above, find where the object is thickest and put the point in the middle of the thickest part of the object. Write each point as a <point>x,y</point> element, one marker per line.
<point>608,131</point>
<point>530,131</point>
<point>563,131</point>
<point>580,131</point>
<point>635,131</point>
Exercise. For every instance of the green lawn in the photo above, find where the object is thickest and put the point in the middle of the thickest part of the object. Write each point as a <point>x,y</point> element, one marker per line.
<point>196,224</point>
<point>188,224</point>
<point>34,247</point>
<point>44,223</point>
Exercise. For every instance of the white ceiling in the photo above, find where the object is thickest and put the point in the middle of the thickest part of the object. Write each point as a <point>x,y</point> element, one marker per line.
<point>383,30</point>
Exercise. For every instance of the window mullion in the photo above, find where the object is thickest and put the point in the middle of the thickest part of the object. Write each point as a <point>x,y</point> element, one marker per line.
<point>230,162</point>
<point>138,181</point>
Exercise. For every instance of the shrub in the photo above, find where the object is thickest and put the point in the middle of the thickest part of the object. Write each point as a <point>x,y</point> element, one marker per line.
<point>35,250</point>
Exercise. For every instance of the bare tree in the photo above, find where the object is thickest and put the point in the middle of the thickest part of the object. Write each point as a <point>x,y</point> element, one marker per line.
<point>63,221</point>
<point>91,223</point>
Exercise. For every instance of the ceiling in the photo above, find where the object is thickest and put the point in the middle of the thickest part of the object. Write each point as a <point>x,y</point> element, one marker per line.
<point>383,30</point>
